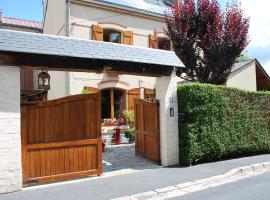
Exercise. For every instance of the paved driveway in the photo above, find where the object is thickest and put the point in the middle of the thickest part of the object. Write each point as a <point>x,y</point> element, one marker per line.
<point>123,157</point>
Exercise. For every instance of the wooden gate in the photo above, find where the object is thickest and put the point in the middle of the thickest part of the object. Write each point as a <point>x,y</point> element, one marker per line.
<point>147,129</point>
<point>61,139</point>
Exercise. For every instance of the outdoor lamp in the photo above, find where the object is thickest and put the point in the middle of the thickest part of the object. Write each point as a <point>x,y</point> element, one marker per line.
<point>44,81</point>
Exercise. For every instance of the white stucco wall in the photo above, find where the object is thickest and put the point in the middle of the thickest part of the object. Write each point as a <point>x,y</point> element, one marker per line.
<point>244,78</point>
<point>10,130</point>
<point>85,17</point>
<point>88,15</point>
<point>59,85</point>
<point>80,79</point>
<point>54,22</point>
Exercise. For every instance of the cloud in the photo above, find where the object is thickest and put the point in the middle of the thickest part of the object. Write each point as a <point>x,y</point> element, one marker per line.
<point>262,55</point>
<point>259,21</point>
<point>259,32</point>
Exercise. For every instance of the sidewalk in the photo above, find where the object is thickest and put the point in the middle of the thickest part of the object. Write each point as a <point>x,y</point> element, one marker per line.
<point>138,182</point>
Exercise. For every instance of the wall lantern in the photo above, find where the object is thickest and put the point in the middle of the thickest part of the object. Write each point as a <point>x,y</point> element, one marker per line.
<point>44,81</point>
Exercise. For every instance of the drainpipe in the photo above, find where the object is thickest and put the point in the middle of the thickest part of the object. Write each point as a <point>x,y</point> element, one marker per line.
<point>68,18</point>
<point>68,11</point>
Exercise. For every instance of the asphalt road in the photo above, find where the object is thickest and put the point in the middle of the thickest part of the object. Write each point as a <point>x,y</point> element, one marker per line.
<point>128,184</point>
<point>254,188</point>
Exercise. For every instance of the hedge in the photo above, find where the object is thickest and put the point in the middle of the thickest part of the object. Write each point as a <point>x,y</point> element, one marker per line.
<point>222,123</point>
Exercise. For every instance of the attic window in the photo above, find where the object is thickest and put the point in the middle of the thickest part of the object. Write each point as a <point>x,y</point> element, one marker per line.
<point>110,35</point>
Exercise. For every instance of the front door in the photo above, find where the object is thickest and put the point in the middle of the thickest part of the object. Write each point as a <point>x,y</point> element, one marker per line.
<point>147,129</point>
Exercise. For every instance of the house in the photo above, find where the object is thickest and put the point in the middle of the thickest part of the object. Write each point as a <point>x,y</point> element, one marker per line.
<point>20,24</point>
<point>139,23</point>
<point>61,139</point>
<point>134,22</point>
<point>72,123</point>
<point>249,75</point>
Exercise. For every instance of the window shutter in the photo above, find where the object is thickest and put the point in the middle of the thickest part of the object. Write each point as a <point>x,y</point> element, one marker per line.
<point>27,79</point>
<point>97,33</point>
<point>153,41</point>
<point>132,95</point>
<point>128,37</point>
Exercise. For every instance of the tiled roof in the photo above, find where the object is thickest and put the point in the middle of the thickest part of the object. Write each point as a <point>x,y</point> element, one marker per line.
<point>156,7</point>
<point>240,64</point>
<point>24,42</point>
<point>22,23</point>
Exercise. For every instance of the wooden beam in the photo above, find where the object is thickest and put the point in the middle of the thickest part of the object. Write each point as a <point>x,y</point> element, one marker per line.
<point>64,63</point>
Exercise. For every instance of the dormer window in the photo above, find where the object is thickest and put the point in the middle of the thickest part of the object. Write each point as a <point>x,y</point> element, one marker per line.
<point>110,35</point>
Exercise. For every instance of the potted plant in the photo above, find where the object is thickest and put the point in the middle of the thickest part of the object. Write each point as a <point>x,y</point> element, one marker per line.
<point>130,134</point>
<point>130,121</point>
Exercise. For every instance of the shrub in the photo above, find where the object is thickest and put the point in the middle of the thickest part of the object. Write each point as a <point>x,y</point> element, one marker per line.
<point>222,123</point>
<point>130,134</point>
<point>129,117</point>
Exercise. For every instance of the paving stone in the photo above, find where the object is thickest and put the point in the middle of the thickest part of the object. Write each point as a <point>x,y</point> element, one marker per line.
<point>123,157</point>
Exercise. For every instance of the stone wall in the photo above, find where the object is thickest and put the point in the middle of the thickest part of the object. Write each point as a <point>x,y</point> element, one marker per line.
<point>10,139</point>
<point>166,93</point>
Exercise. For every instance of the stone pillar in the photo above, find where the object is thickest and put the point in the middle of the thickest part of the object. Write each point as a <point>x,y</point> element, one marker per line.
<point>10,130</point>
<point>166,93</point>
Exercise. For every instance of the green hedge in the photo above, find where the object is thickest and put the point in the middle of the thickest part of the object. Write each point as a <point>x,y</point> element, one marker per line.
<point>222,123</point>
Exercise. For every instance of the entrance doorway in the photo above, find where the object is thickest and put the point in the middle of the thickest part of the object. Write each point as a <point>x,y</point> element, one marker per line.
<point>113,103</point>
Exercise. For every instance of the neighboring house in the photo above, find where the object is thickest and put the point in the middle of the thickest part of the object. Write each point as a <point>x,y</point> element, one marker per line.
<point>28,76</point>
<point>20,24</point>
<point>133,22</point>
<point>249,75</point>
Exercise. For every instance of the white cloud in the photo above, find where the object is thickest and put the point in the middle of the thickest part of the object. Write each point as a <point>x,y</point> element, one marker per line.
<point>259,32</point>
<point>259,13</point>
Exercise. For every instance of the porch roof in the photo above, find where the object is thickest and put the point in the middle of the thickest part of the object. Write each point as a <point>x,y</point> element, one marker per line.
<point>41,50</point>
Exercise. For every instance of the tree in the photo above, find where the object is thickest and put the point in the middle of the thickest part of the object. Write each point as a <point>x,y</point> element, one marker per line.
<point>207,40</point>
<point>243,57</point>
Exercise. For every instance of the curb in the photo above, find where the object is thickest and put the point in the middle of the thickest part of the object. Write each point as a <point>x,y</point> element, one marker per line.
<point>201,184</point>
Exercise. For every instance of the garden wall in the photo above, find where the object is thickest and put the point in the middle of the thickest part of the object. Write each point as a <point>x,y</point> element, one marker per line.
<point>222,123</point>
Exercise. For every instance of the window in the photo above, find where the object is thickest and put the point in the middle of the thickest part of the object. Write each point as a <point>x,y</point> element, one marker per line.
<point>164,43</point>
<point>106,104</point>
<point>111,36</point>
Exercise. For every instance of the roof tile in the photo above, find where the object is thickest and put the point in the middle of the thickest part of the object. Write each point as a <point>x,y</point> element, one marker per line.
<point>25,42</point>
<point>22,22</point>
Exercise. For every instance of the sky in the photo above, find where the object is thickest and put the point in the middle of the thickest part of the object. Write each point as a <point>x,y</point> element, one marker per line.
<point>258,11</point>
